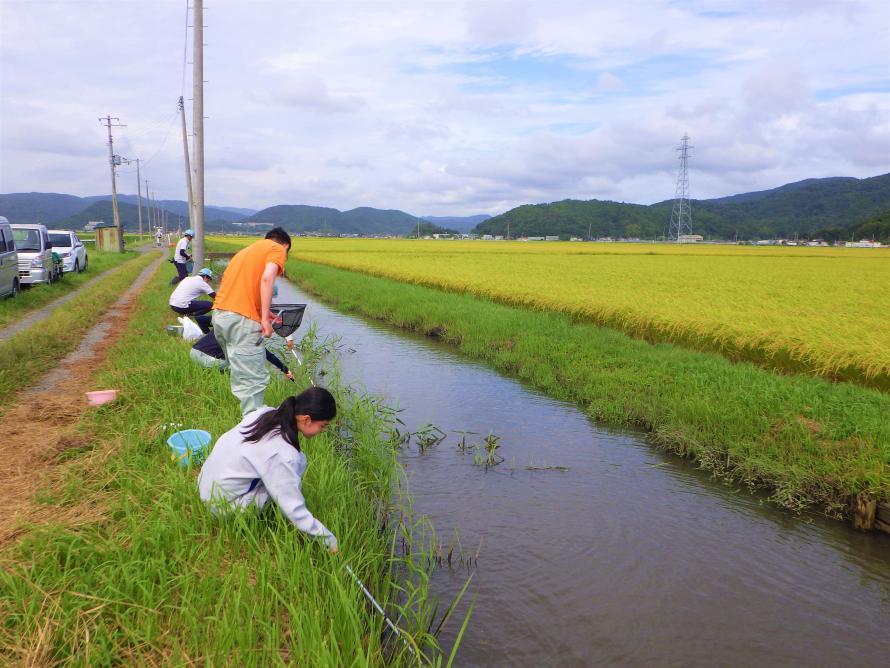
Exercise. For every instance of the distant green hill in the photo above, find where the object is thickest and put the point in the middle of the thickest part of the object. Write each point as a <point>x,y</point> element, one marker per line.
<point>363,220</point>
<point>799,208</point>
<point>54,209</point>
<point>101,210</point>
<point>39,207</point>
<point>875,228</point>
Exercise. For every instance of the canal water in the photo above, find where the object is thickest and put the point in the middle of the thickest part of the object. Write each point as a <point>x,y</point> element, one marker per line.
<point>630,557</point>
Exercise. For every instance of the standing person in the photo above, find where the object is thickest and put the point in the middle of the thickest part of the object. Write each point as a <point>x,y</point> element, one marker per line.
<point>260,459</point>
<point>241,317</point>
<point>183,301</point>
<point>182,254</point>
<point>158,236</point>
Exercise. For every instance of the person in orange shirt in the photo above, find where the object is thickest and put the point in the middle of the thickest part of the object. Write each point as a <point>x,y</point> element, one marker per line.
<point>241,316</point>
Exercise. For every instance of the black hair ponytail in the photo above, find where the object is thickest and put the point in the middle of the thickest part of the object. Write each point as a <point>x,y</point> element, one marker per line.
<point>316,402</point>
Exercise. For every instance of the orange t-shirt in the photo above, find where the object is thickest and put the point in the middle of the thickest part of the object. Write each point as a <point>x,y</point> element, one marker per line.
<point>239,289</point>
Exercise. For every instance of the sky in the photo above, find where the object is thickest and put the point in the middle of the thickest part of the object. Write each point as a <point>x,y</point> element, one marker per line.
<point>445,107</point>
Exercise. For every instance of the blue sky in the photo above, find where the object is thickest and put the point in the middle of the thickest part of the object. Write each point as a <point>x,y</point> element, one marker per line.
<point>448,108</point>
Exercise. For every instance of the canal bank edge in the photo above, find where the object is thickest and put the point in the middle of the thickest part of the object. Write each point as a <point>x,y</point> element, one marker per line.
<point>145,548</point>
<point>811,442</point>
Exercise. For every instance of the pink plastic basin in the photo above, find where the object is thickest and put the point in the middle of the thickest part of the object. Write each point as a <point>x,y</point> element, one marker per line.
<point>100,397</point>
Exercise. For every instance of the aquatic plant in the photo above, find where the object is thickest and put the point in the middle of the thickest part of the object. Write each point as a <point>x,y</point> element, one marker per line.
<point>487,452</point>
<point>427,436</point>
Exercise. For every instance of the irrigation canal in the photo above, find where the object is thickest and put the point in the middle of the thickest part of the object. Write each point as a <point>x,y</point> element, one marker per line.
<point>631,557</point>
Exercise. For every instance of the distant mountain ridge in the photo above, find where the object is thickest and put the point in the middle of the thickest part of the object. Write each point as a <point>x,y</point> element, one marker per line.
<point>800,208</point>
<point>460,223</point>
<point>832,207</point>
<point>55,208</point>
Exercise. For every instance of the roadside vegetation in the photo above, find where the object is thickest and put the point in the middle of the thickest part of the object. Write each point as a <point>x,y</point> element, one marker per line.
<point>808,310</point>
<point>810,441</point>
<point>154,579</point>
<point>29,353</point>
<point>31,298</point>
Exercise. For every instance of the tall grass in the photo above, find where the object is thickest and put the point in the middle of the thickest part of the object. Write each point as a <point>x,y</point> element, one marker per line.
<point>159,581</point>
<point>811,310</point>
<point>810,441</point>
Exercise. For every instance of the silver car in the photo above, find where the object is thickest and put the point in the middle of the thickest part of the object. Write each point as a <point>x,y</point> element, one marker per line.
<point>70,248</point>
<point>35,254</point>
<point>9,261</point>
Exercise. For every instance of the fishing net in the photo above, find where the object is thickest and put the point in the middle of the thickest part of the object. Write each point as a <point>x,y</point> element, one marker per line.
<point>287,318</point>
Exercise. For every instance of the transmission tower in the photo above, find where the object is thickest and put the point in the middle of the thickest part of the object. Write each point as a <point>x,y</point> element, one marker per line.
<point>681,215</point>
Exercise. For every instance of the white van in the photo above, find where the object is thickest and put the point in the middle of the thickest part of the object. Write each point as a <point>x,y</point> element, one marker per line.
<point>35,254</point>
<point>9,261</point>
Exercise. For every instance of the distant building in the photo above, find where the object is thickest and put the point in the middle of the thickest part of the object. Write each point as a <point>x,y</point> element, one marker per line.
<point>863,243</point>
<point>93,224</point>
<point>689,238</point>
<point>551,237</point>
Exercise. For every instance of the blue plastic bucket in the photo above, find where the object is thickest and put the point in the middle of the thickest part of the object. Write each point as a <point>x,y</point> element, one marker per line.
<point>188,443</point>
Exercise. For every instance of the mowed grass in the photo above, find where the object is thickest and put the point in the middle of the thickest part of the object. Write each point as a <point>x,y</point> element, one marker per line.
<point>154,579</point>
<point>820,311</point>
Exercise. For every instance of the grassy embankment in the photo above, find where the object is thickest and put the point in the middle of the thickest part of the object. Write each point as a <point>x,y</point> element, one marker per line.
<point>39,295</point>
<point>811,441</point>
<point>811,310</point>
<point>31,352</point>
<point>155,580</point>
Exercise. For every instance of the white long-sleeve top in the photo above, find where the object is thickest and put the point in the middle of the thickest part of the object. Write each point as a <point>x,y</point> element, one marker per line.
<point>239,474</point>
<point>188,289</point>
<point>182,245</point>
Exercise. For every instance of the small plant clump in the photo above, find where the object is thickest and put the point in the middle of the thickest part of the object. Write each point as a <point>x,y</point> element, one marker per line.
<point>487,452</point>
<point>428,436</point>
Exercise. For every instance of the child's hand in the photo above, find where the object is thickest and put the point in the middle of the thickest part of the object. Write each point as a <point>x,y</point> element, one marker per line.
<point>334,549</point>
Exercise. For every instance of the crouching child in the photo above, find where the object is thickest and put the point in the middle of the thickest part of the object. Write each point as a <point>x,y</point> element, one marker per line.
<point>260,460</point>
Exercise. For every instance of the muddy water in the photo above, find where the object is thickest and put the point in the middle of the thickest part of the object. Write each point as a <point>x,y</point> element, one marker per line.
<point>629,558</point>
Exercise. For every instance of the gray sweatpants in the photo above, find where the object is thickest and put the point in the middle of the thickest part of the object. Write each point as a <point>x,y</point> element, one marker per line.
<point>238,336</point>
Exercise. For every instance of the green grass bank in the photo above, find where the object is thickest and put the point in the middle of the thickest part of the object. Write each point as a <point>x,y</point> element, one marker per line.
<point>36,296</point>
<point>154,579</point>
<point>811,442</point>
<point>31,352</point>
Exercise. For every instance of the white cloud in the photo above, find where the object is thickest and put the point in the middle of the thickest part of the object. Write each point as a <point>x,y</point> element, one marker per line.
<point>448,107</point>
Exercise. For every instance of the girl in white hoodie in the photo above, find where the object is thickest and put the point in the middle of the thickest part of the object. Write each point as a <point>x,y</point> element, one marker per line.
<point>260,459</point>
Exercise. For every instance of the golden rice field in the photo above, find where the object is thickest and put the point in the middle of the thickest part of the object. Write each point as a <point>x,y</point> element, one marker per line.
<point>818,310</point>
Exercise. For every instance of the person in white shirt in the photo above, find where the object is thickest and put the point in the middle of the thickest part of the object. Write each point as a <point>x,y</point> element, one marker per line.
<point>182,254</point>
<point>183,302</point>
<point>260,459</point>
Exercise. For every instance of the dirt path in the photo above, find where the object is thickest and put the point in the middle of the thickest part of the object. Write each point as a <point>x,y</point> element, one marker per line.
<point>39,425</point>
<point>35,316</point>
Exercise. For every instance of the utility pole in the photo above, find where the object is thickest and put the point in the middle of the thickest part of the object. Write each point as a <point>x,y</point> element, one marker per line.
<point>139,198</point>
<point>151,223</point>
<point>198,130</point>
<point>188,169</point>
<point>113,161</point>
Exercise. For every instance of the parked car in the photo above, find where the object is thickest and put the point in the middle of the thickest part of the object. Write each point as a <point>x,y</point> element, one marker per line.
<point>9,261</point>
<point>70,248</point>
<point>35,254</point>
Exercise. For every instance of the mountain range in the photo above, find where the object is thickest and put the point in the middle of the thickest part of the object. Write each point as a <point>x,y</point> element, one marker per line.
<point>830,208</point>
<point>803,208</point>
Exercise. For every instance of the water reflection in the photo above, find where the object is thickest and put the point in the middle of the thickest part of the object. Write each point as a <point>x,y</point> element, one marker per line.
<point>631,557</point>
